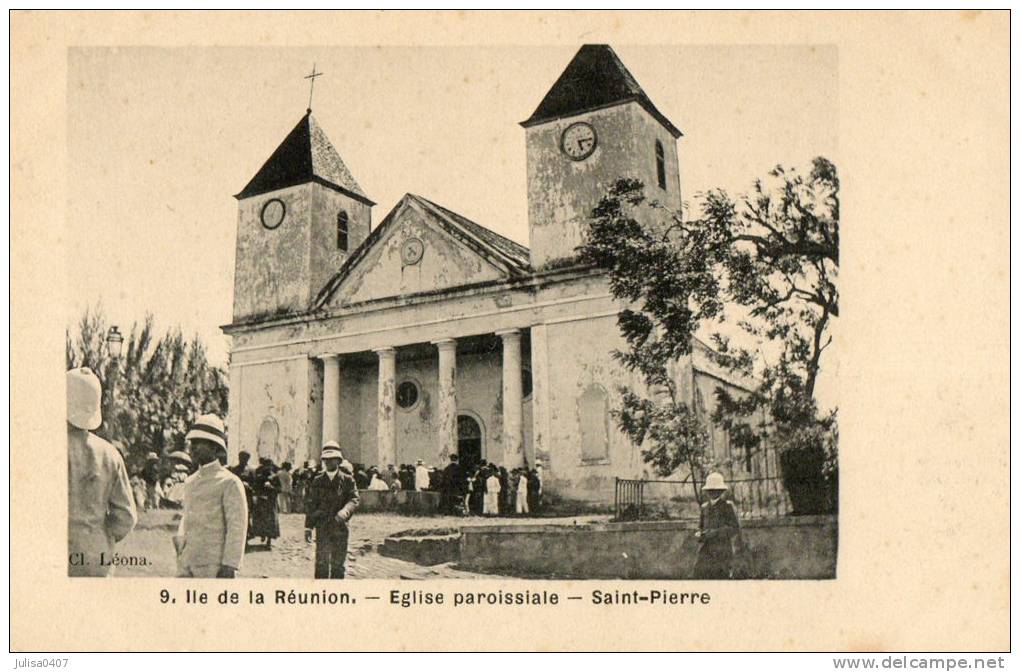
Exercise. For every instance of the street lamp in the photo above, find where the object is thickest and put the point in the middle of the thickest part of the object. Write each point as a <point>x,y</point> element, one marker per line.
<point>114,345</point>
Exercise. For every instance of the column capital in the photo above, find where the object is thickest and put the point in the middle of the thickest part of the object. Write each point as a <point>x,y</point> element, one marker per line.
<point>382,352</point>
<point>508,333</point>
<point>445,343</point>
<point>327,356</point>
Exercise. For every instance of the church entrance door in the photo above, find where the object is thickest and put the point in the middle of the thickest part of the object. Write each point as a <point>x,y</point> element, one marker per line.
<point>469,441</point>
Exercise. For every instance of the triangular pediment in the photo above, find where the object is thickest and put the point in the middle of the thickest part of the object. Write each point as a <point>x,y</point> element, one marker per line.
<point>422,248</point>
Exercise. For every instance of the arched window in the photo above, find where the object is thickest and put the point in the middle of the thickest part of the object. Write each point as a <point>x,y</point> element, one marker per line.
<point>660,164</point>
<point>593,421</point>
<point>269,439</point>
<point>342,231</point>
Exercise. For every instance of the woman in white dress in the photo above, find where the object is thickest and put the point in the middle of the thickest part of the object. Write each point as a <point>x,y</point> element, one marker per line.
<point>491,502</point>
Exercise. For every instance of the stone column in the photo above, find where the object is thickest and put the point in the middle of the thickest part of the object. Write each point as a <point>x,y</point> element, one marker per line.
<point>330,398</point>
<point>513,440</point>
<point>386,453</point>
<point>540,433</point>
<point>447,398</point>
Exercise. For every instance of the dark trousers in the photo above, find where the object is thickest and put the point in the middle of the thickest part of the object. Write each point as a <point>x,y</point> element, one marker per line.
<point>714,561</point>
<point>330,551</point>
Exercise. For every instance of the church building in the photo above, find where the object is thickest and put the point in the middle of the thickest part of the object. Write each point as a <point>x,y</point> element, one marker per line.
<point>429,334</point>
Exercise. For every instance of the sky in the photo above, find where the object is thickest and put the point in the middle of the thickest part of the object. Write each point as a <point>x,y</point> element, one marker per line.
<point>159,140</point>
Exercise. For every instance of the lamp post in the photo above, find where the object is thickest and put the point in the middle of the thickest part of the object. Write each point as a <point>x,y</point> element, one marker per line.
<point>114,345</point>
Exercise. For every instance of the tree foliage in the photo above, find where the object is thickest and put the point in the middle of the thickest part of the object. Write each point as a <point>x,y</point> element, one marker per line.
<point>156,388</point>
<point>767,262</point>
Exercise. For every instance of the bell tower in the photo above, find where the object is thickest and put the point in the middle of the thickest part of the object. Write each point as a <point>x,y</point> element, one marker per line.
<point>298,220</point>
<point>594,126</point>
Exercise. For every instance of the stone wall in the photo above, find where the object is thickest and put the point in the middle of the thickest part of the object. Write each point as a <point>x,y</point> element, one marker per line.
<point>580,462</point>
<point>269,410</point>
<point>271,266</point>
<point>562,192</point>
<point>783,548</point>
<point>408,502</point>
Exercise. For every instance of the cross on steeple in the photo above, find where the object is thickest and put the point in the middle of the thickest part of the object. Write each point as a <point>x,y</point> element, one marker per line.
<point>311,87</point>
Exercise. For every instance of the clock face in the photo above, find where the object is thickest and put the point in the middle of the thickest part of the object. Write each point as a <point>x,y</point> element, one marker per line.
<point>412,251</point>
<point>273,213</point>
<point>578,141</point>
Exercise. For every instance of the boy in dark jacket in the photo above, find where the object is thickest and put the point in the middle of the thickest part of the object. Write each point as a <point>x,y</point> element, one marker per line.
<point>330,503</point>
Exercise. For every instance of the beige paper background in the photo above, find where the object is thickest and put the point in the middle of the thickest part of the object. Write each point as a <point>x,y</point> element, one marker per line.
<point>923,354</point>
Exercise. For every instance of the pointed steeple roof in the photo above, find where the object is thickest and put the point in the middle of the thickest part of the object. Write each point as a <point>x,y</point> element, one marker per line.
<point>595,78</point>
<point>305,155</point>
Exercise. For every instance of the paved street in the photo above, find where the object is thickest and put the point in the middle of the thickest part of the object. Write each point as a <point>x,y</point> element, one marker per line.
<point>292,557</point>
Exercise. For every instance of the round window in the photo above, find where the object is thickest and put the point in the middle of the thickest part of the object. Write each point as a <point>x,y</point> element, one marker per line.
<point>407,394</point>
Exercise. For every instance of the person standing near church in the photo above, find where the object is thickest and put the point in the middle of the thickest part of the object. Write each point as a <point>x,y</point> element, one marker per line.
<point>101,508</point>
<point>421,476</point>
<point>214,524</point>
<point>332,500</point>
<point>286,481</point>
<point>454,487</point>
<point>534,477</point>
<point>718,528</point>
<point>265,522</point>
<point>522,493</point>
<point>150,474</point>
<point>492,490</point>
<point>245,472</point>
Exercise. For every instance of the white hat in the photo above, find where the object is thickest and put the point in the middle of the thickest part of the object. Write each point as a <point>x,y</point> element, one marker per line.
<point>331,449</point>
<point>715,482</point>
<point>84,399</point>
<point>210,428</point>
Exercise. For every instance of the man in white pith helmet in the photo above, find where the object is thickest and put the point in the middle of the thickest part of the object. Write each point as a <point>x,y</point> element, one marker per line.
<point>719,527</point>
<point>214,524</point>
<point>101,508</point>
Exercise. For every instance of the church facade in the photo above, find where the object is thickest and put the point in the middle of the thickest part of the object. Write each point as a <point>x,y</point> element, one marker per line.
<point>429,334</point>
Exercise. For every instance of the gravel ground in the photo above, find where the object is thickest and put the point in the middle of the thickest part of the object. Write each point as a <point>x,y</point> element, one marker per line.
<point>292,557</point>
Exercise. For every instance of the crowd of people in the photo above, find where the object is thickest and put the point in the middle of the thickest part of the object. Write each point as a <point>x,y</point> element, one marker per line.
<point>487,490</point>
<point>482,490</point>
<point>224,508</point>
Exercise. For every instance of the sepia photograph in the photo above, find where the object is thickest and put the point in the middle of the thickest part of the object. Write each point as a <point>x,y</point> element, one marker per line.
<point>604,355</point>
<point>509,331</point>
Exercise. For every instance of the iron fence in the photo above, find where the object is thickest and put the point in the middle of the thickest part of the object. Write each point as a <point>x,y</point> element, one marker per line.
<point>761,497</point>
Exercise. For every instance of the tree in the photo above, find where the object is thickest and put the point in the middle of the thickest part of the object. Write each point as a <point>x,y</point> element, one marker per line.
<point>162,385</point>
<point>768,262</point>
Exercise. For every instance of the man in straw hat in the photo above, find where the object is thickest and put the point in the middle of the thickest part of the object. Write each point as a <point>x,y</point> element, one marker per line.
<point>101,508</point>
<point>719,526</point>
<point>331,501</point>
<point>214,525</point>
